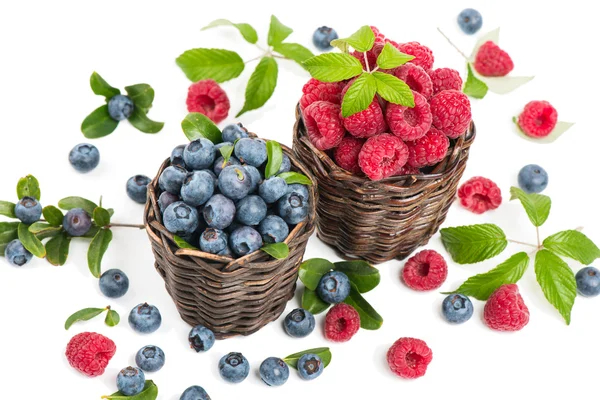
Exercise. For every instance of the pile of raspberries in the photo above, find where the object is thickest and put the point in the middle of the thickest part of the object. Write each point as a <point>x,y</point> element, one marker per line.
<point>387,139</point>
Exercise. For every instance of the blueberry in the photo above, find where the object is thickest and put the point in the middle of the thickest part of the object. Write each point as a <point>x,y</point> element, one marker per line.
<point>245,240</point>
<point>131,381</point>
<point>251,210</point>
<point>166,199</point>
<point>274,371</point>
<point>272,189</point>
<point>233,132</point>
<point>201,338</point>
<point>213,241</point>
<point>310,366</point>
<point>28,210</point>
<point>84,157</point>
<point>533,178</point>
<point>180,218</point>
<point>194,393</point>
<point>150,358</point>
<point>226,252</point>
<point>145,318</point>
<point>214,176</point>
<point>470,21</point>
<point>120,107</point>
<point>137,188</point>
<point>299,323</point>
<point>334,287</point>
<point>299,190</point>
<point>197,188</point>
<point>235,182</point>
<point>273,229</point>
<point>286,165</point>
<point>323,36</point>
<point>199,154</point>
<point>114,283</point>
<point>171,179</point>
<point>177,152</point>
<point>17,254</point>
<point>293,208</point>
<point>77,222</point>
<point>457,308</point>
<point>220,164</point>
<point>251,151</point>
<point>588,282</point>
<point>234,367</point>
<point>219,212</point>
<point>255,176</point>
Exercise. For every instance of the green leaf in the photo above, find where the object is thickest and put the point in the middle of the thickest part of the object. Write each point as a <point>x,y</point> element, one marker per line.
<point>69,203</point>
<point>312,303</point>
<point>57,249</point>
<point>247,31</point>
<point>261,85</point>
<point>217,64</point>
<point>112,318</point>
<point>560,128</point>
<point>101,87</point>
<point>390,57</point>
<point>360,95</point>
<point>393,89</point>
<point>323,352</point>
<point>28,187</point>
<point>482,286</point>
<point>504,84</point>
<point>182,244</point>
<point>474,87</point>
<point>8,233</point>
<point>295,177</point>
<point>111,212</point>
<point>7,209</point>
<point>142,123</point>
<point>97,249</point>
<point>98,124</point>
<point>92,232</point>
<point>101,217</point>
<point>362,40</point>
<point>83,315</point>
<point>53,215</point>
<point>361,273</point>
<point>473,243</point>
<point>312,270</point>
<point>536,205</point>
<point>279,251</point>
<point>573,244</point>
<point>150,392</point>
<point>277,32</point>
<point>557,282</point>
<point>196,126</point>
<point>42,227</point>
<point>141,94</point>
<point>274,159</point>
<point>30,242</point>
<point>226,151</point>
<point>369,318</point>
<point>333,67</point>
<point>294,51</point>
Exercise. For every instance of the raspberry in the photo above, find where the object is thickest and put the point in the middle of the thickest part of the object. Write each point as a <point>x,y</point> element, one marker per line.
<point>407,170</point>
<point>365,123</point>
<point>408,358</point>
<point>479,195</point>
<point>416,78</point>
<point>445,79</point>
<point>346,154</point>
<point>206,97</point>
<point>371,57</point>
<point>382,156</point>
<point>538,119</point>
<point>341,323</point>
<point>423,54</point>
<point>451,111</point>
<point>89,353</point>
<point>491,60</point>
<point>426,270</point>
<point>323,124</point>
<point>409,123</point>
<point>505,310</point>
<point>428,150</point>
<point>315,90</point>
<point>379,37</point>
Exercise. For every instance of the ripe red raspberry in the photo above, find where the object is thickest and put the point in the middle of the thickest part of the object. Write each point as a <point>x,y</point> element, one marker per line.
<point>479,195</point>
<point>379,37</point>
<point>416,78</point>
<point>408,358</point>
<point>382,156</point>
<point>371,57</point>
<point>423,54</point>
<point>451,111</point>
<point>505,310</point>
<point>407,170</point>
<point>206,97</point>
<point>89,353</point>
<point>366,123</point>
<point>428,150</point>
<point>409,123</point>
<point>315,90</point>
<point>346,154</point>
<point>491,60</point>
<point>341,323</point>
<point>445,79</point>
<point>538,119</point>
<point>323,124</point>
<point>426,270</point>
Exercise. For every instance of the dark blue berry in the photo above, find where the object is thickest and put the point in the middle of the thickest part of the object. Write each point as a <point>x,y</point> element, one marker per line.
<point>273,229</point>
<point>457,308</point>
<point>177,152</point>
<point>145,318</point>
<point>274,371</point>
<point>234,367</point>
<point>197,188</point>
<point>235,182</point>
<point>251,210</point>
<point>299,323</point>
<point>201,338</point>
<point>219,212</point>
<point>180,219</point>
<point>213,241</point>
<point>28,210</point>
<point>588,282</point>
<point>131,381</point>
<point>77,222</point>
<point>293,208</point>
<point>299,190</point>
<point>114,283</point>
<point>323,36</point>
<point>17,254</point>
<point>245,240</point>
<point>171,179</point>
<point>166,199</point>
<point>255,176</point>
<point>251,151</point>
<point>226,252</point>
<point>286,165</point>
<point>334,287</point>
<point>120,107</point>
<point>220,164</point>
<point>194,393</point>
<point>310,366</point>
<point>84,157</point>
<point>150,358</point>
<point>272,189</point>
<point>137,188</point>
<point>533,178</point>
<point>199,154</point>
<point>470,21</point>
<point>233,132</point>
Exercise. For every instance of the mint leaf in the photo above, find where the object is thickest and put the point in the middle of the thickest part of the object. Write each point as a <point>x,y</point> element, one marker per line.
<point>277,32</point>
<point>28,187</point>
<point>217,64</point>
<point>182,244</point>
<point>323,352</point>
<point>101,217</point>
<point>390,57</point>
<point>369,318</point>
<point>536,205</point>
<point>83,315</point>
<point>57,249</point>
<point>8,233</point>
<point>7,209</point>
<point>101,87</point>
<point>196,126</point>
<point>274,159</point>
<point>226,151</point>
<point>30,241</point>
<point>474,243</point>
<point>557,282</point>
<point>141,94</point>
<point>393,89</point>
<point>247,31</point>
<point>150,392</point>
<point>333,67</point>
<point>99,123</point>
<point>313,303</point>
<point>573,244</point>
<point>261,85</point>
<point>312,270</point>
<point>142,123</point>
<point>279,251</point>
<point>112,318</point>
<point>361,273</point>
<point>96,251</point>
<point>294,51</point>
<point>362,40</point>
<point>53,215</point>
<point>360,95</point>
<point>474,87</point>
<point>69,203</point>
<point>295,177</point>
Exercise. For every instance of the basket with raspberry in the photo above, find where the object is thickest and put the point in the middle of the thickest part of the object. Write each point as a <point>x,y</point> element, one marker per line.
<point>387,137</point>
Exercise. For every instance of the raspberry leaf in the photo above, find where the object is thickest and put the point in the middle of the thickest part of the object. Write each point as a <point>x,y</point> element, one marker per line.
<point>112,318</point>
<point>57,249</point>
<point>141,94</point>
<point>53,215</point>
<point>323,352</point>
<point>278,32</point>
<point>390,57</point>
<point>101,87</point>
<point>142,123</point>
<point>216,64</point>
<point>261,85</point>
<point>247,31</point>
<point>279,251</point>
<point>69,203</point>
<point>504,84</point>
<point>311,271</point>
<point>294,51</point>
<point>98,124</point>
<point>150,392</point>
<point>474,87</point>
<point>28,187</point>
<point>560,128</point>
<point>361,273</point>
<point>101,217</point>
<point>274,159</point>
<point>393,89</point>
<point>83,315</point>
<point>557,282</point>
<point>196,126</point>
<point>7,209</point>
<point>573,244</point>
<point>333,67</point>
<point>360,95</point>
<point>30,241</point>
<point>96,251</point>
<point>369,318</point>
<point>474,243</point>
<point>362,40</point>
<point>182,244</point>
<point>312,303</point>
<point>295,177</point>
<point>8,233</point>
<point>536,205</point>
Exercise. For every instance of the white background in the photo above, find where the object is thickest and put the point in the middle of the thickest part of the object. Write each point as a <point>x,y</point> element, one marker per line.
<point>48,51</point>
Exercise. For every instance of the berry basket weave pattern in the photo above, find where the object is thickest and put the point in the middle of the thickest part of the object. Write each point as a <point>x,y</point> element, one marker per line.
<point>381,220</point>
<point>229,296</point>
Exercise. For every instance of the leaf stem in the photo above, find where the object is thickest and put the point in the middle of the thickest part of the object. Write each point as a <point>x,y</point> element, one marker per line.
<point>375,69</point>
<point>366,62</point>
<point>452,44</point>
<point>537,231</point>
<point>117,225</point>
<point>253,59</point>
<point>523,243</point>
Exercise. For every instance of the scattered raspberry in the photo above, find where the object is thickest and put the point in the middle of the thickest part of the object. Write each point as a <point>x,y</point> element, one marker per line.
<point>323,124</point>
<point>341,323</point>
<point>382,156</point>
<point>538,119</point>
<point>409,123</point>
<point>451,111</point>
<point>315,90</point>
<point>423,54</point>
<point>366,123</point>
<point>346,154</point>
<point>89,353</point>
<point>445,79</point>
<point>505,310</point>
<point>479,195</point>
<point>491,60</point>
<point>426,270</point>
<point>206,97</point>
<point>416,78</point>
<point>428,150</point>
<point>408,170</point>
<point>408,358</point>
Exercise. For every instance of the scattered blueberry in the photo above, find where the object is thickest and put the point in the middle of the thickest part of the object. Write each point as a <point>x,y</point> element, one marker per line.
<point>145,318</point>
<point>234,367</point>
<point>255,176</point>
<point>180,219</point>
<point>120,107</point>
<point>197,188</point>
<point>213,241</point>
<point>310,366</point>
<point>334,287</point>
<point>84,157</point>
<point>235,182</point>
<point>272,189</point>
<point>219,212</point>
<point>274,371</point>
<point>194,393</point>
<point>201,338</point>
<point>220,164</point>
<point>77,222</point>
<point>251,151</point>
<point>137,188</point>
<point>245,240</point>
<point>150,358</point>
<point>17,254</point>
<point>166,199</point>
<point>114,283</point>
<point>293,208</point>
<point>470,21</point>
<point>286,165</point>
<point>251,210</point>
<point>457,308</point>
<point>273,229</point>
<point>131,381</point>
<point>177,152</point>
<point>299,323</point>
<point>171,179</point>
<point>28,210</point>
<point>323,36</point>
<point>199,154</point>
<point>533,178</point>
<point>233,132</point>
<point>588,282</point>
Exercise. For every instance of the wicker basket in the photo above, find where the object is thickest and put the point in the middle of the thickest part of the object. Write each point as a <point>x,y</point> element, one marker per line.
<point>229,296</point>
<point>380,220</point>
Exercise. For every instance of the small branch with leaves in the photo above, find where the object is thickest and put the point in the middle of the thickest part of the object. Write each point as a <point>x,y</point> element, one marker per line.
<point>112,317</point>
